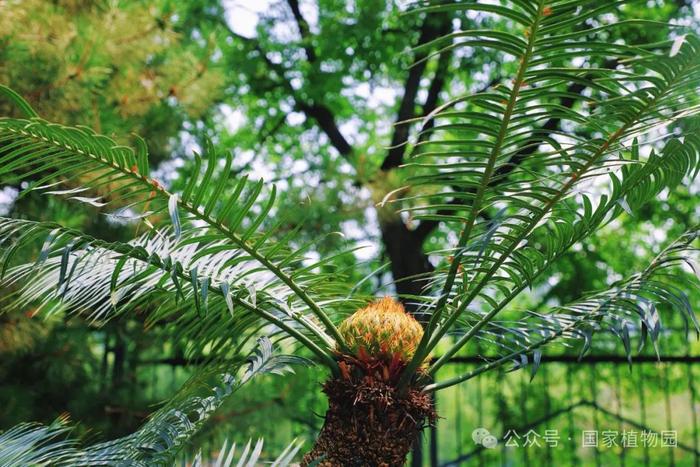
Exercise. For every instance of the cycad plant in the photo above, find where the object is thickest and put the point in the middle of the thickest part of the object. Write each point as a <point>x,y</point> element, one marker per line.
<point>517,196</point>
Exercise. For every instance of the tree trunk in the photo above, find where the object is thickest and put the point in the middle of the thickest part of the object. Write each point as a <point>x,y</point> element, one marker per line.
<point>405,250</point>
<point>368,422</point>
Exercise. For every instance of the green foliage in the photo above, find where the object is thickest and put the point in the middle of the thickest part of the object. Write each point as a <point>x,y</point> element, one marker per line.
<point>29,444</point>
<point>544,195</point>
<point>583,130</point>
<point>230,241</point>
<point>161,439</point>
<point>116,65</point>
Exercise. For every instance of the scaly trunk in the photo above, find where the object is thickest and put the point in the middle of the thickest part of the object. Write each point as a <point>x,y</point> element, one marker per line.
<point>368,423</point>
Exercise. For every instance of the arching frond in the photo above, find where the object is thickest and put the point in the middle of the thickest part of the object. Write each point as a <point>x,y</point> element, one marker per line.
<point>533,147</point>
<point>37,445</point>
<point>632,307</point>
<point>86,167</point>
<point>160,440</point>
<point>216,299</point>
<point>584,214</point>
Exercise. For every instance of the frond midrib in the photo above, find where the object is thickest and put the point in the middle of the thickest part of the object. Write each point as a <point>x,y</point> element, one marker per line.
<point>149,184</point>
<point>602,150</point>
<point>129,251</point>
<point>425,344</point>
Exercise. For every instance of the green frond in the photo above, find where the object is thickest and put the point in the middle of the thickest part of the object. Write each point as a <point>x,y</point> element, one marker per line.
<point>631,307</point>
<point>533,146</point>
<point>624,190</point>
<point>37,445</point>
<point>118,178</point>
<point>216,297</point>
<point>18,100</point>
<point>160,440</point>
<point>250,456</point>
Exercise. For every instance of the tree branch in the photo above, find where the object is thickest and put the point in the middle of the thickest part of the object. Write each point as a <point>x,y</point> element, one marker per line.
<point>326,121</point>
<point>316,111</point>
<point>304,30</point>
<point>435,88</point>
<point>433,27</point>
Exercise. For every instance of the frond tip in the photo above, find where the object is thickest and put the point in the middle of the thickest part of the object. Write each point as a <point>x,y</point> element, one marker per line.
<point>161,439</point>
<point>630,307</point>
<point>37,445</point>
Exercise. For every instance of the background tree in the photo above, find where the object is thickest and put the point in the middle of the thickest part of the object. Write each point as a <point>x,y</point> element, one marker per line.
<point>124,68</point>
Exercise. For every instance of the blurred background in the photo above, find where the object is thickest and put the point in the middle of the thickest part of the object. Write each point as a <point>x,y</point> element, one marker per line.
<point>306,94</point>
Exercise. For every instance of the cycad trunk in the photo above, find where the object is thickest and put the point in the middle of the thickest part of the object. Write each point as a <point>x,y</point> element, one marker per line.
<point>369,423</point>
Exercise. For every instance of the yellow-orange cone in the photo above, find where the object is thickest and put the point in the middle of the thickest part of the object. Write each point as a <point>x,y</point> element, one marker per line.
<point>382,330</point>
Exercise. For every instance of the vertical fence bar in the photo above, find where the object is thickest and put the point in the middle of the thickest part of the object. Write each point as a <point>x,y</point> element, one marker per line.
<point>417,452</point>
<point>596,424</point>
<point>547,410</point>
<point>154,382</point>
<point>458,416</point>
<point>570,416</point>
<point>667,410</point>
<point>618,403</point>
<point>433,446</point>
<point>694,412</point>
<point>523,415</point>
<point>643,410</point>
<point>480,413</point>
<point>501,402</point>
